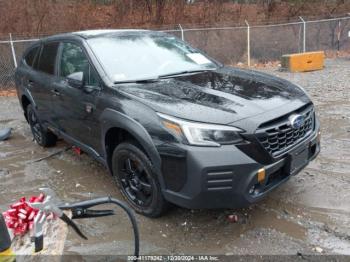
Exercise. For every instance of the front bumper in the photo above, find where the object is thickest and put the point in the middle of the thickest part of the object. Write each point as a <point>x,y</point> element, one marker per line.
<point>226,177</point>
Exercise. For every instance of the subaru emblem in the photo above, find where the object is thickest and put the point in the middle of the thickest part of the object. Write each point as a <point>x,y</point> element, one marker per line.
<point>296,121</point>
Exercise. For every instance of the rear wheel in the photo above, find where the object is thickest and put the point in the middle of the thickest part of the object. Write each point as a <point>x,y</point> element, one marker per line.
<point>134,174</point>
<point>43,137</point>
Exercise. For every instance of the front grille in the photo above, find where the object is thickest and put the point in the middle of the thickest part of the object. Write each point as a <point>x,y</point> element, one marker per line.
<point>278,136</point>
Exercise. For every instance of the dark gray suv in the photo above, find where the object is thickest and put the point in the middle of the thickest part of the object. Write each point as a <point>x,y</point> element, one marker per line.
<point>171,124</point>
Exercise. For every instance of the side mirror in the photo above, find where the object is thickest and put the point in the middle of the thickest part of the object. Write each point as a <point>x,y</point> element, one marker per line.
<point>76,79</point>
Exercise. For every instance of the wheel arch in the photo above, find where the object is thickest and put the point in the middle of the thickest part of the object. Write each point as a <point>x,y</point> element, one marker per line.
<point>25,102</point>
<point>26,99</point>
<point>117,127</point>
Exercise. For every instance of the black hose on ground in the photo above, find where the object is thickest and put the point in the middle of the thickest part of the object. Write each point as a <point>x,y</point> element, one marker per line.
<point>133,222</point>
<point>99,201</point>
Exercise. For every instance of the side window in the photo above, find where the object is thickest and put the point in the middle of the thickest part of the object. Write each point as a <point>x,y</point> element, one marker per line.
<point>74,60</point>
<point>31,55</point>
<point>48,58</point>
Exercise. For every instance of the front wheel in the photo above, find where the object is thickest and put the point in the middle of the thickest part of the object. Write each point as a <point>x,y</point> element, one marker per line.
<point>43,137</point>
<point>134,174</point>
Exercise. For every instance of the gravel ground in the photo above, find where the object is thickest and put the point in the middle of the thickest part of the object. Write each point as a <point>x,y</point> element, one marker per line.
<point>308,215</point>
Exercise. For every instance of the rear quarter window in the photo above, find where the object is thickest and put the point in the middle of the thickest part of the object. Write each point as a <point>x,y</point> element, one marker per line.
<point>31,56</point>
<point>48,56</point>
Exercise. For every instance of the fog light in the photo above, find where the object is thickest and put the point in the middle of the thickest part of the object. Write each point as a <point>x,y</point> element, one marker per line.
<point>261,175</point>
<point>254,190</point>
<point>251,190</point>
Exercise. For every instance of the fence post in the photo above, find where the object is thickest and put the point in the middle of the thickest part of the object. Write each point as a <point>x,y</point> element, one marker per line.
<point>338,34</point>
<point>248,42</point>
<point>13,51</point>
<point>182,33</point>
<point>304,34</point>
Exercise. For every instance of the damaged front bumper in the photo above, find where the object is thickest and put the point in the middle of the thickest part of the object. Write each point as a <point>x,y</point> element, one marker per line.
<point>226,177</point>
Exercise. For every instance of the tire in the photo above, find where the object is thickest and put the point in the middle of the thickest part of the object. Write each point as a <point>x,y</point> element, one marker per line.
<point>137,181</point>
<point>42,137</point>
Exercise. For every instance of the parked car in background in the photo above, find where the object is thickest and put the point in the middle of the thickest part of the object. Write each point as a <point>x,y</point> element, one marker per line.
<point>171,124</point>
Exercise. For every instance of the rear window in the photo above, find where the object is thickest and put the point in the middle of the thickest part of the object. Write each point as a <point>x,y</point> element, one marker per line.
<point>30,57</point>
<point>48,58</point>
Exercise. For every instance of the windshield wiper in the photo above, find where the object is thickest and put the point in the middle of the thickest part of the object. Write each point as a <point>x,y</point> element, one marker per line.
<point>137,81</point>
<point>185,72</point>
<point>160,77</point>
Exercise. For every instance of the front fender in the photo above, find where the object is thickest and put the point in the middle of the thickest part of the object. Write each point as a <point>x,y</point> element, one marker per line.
<point>113,119</point>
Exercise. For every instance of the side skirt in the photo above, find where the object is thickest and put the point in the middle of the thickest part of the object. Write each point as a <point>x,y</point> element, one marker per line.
<point>87,149</point>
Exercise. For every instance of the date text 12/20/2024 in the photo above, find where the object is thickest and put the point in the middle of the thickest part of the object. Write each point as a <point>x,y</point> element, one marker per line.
<point>174,258</point>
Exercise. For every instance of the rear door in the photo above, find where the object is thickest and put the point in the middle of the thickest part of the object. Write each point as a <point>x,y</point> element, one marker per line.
<point>25,74</point>
<point>40,81</point>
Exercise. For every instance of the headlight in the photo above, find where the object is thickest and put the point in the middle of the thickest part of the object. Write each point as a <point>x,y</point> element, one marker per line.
<point>201,134</point>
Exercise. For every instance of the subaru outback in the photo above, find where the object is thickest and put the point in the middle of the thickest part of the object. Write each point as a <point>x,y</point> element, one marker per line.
<point>171,124</point>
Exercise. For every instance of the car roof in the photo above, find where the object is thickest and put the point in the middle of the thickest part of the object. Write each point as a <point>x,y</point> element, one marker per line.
<point>102,33</point>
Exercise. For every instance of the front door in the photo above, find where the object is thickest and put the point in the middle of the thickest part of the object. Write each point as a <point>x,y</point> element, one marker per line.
<point>76,113</point>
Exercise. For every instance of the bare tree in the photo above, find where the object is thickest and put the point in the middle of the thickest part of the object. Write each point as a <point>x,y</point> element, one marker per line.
<point>331,8</point>
<point>160,5</point>
<point>156,7</point>
<point>295,8</point>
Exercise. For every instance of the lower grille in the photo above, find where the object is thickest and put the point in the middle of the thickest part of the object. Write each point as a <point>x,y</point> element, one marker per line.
<point>278,136</point>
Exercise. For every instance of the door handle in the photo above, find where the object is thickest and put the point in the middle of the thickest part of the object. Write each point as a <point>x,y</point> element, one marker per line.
<point>55,92</point>
<point>89,108</point>
<point>30,83</point>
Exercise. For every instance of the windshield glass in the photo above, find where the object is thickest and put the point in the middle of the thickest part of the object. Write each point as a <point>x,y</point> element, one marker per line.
<point>136,57</point>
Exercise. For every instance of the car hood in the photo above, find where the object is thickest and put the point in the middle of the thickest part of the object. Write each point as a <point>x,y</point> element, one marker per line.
<point>222,96</point>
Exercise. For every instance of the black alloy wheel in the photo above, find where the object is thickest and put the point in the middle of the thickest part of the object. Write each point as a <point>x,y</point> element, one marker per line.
<point>42,137</point>
<point>137,181</point>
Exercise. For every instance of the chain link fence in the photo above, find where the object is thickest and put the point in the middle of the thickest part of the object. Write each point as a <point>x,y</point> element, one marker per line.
<point>247,45</point>
<point>11,50</point>
<point>271,42</point>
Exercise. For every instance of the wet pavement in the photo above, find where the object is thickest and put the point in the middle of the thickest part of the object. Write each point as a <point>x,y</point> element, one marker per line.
<point>309,214</point>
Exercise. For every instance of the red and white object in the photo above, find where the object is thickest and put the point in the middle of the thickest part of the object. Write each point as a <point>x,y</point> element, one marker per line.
<point>20,217</point>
